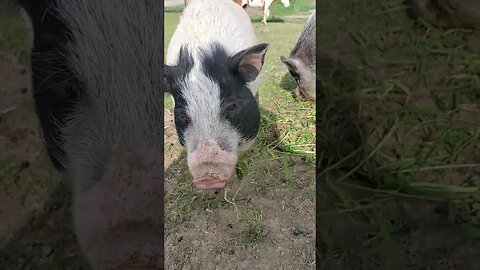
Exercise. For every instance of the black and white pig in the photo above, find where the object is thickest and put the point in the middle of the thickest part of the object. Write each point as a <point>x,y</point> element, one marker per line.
<point>212,73</point>
<point>302,61</point>
<point>450,13</point>
<point>97,75</point>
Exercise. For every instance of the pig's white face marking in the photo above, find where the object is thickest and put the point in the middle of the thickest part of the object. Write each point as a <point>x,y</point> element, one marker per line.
<point>210,140</point>
<point>203,107</point>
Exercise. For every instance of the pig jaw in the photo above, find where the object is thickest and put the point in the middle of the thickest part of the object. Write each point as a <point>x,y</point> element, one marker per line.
<point>210,166</point>
<point>305,92</point>
<point>306,88</point>
<point>118,219</point>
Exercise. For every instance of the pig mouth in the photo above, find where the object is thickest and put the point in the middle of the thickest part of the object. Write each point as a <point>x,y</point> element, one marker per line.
<point>208,182</point>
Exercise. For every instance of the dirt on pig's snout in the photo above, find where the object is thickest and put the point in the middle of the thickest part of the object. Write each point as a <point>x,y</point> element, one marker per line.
<point>210,166</point>
<point>119,219</point>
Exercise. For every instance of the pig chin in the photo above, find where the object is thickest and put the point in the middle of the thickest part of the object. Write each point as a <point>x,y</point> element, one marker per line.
<point>211,167</point>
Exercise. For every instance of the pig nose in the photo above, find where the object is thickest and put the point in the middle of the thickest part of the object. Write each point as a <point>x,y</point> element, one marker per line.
<point>207,151</point>
<point>210,166</point>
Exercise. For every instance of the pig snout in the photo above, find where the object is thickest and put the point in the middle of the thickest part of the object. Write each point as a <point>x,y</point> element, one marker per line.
<point>210,166</point>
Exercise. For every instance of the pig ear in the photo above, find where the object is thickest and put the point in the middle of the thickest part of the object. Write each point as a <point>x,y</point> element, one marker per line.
<point>249,62</point>
<point>290,63</point>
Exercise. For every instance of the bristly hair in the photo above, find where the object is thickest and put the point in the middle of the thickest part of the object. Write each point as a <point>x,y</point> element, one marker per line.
<point>306,43</point>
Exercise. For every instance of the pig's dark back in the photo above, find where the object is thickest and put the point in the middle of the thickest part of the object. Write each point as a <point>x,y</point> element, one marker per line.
<point>305,48</point>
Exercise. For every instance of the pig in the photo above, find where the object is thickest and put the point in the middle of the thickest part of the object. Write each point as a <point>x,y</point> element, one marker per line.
<point>302,61</point>
<point>97,78</point>
<point>212,73</point>
<point>450,13</point>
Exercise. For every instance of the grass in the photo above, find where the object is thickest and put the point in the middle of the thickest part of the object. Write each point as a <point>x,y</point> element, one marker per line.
<point>174,9</point>
<point>13,33</point>
<point>398,115</point>
<point>8,174</point>
<point>254,232</point>
<point>287,131</point>
<point>296,6</point>
<point>277,10</point>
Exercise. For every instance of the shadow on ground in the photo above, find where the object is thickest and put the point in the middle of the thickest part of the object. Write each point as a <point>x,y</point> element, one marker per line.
<point>47,239</point>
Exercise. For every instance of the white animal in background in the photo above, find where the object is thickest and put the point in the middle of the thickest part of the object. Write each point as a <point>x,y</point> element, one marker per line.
<point>266,6</point>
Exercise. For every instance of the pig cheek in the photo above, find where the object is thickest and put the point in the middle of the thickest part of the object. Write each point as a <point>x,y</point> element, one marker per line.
<point>91,220</point>
<point>117,196</point>
<point>305,90</point>
<point>300,93</point>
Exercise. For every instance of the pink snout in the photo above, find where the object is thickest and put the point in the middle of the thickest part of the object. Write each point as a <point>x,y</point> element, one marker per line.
<point>210,166</point>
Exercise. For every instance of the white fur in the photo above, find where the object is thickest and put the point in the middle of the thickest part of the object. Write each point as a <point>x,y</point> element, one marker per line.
<point>206,21</point>
<point>203,23</point>
<point>265,4</point>
<point>29,26</point>
<point>206,119</point>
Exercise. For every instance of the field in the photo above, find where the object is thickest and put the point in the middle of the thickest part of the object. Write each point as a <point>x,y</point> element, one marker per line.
<point>398,121</point>
<point>266,219</point>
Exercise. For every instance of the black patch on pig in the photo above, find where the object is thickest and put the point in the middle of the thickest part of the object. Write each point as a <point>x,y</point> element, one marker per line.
<point>55,89</point>
<point>174,76</point>
<point>239,106</point>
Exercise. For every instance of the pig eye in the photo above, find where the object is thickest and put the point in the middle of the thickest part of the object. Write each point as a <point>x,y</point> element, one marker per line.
<point>295,76</point>
<point>231,108</point>
<point>183,118</point>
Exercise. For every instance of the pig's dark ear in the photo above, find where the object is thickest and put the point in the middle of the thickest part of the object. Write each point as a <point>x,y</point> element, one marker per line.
<point>167,78</point>
<point>249,62</point>
<point>290,63</point>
